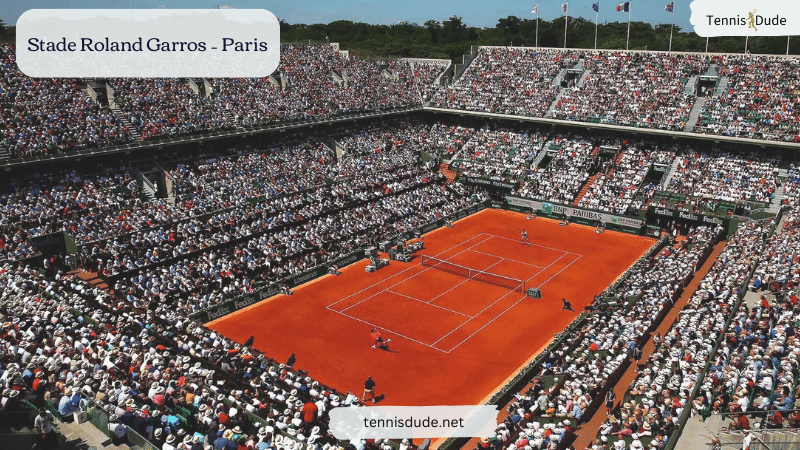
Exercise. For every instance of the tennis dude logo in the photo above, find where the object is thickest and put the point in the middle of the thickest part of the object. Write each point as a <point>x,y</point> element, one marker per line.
<point>713,18</point>
<point>753,20</point>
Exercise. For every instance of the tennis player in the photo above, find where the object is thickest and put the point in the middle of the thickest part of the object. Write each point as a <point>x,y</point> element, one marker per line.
<point>379,342</point>
<point>524,239</point>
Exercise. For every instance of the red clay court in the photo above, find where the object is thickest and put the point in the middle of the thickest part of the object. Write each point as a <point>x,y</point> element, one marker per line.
<point>455,340</point>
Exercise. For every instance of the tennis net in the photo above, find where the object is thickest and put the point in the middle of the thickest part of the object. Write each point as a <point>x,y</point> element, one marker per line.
<point>474,274</point>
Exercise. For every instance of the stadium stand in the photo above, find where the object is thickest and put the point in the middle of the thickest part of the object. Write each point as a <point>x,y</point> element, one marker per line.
<point>516,81</point>
<point>47,116</point>
<point>760,100</point>
<point>636,89</point>
<point>664,385</point>
<point>243,217</point>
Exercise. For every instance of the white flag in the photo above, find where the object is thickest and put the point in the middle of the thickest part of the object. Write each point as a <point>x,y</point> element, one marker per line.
<point>535,9</point>
<point>564,7</point>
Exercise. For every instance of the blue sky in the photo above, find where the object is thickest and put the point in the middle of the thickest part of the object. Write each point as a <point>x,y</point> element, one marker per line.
<point>474,12</point>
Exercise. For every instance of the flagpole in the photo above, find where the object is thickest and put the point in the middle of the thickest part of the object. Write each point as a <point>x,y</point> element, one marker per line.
<point>596,15</point>
<point>537,25</point>
<point>787,45</point>
<point>673,27</point>
<point>706,45</point>
<point>566,21</point>
<point>628,39</point>
<point>746,39</point>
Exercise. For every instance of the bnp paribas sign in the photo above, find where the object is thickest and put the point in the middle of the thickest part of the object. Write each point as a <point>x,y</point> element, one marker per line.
<point>712,18</point>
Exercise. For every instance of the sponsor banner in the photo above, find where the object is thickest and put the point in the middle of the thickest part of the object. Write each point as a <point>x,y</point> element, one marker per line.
<point>306,276</point>
<point>485,182</point>
<point>653,231</point>
<point>554,209</point>
<point>431,226</point>
<point>47,240</point>
<point>682,215</point>
<point>243,301</point>
<point>661,167</point>
<point>497,205</point>
<point>269,290</point>
<point>352,258</point>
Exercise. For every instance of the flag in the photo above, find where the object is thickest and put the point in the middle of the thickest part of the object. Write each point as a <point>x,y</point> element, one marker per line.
<point>535,9</point>
<point>596,7</point>
<point>670,7</point>
<point>564,7</point>
<point>625,7</point>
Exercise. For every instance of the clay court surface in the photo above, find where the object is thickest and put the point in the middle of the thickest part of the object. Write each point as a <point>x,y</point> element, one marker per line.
<point>455,340</point>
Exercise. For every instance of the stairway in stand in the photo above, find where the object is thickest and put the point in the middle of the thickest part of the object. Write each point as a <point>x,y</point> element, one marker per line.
<point>444,169</point>
<point>93,279</point>
<point>585,189</point>
<point>619,158</point>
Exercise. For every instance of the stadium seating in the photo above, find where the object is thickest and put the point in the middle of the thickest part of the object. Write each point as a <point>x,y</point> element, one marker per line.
<point>517,81</point>
<point>636,89</point>
<point>760,100</point>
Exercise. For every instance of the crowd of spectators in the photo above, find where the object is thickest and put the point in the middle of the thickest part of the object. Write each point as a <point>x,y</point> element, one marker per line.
<point>632,88</point>
<point>500,154</point>
<point>760,101</point>
<point>84,206</point>
<point>753,375</point>
<point>576,374</point>
<point>615,190</point>
<point>726,176</point>
<point>562,178</point>
<point>502,80</point>
<point>48,116</point>
<point>45,116</point>
<point>69,347</point>
<point>663,387</point>
<point>166,107</point>
<point>316,82</point>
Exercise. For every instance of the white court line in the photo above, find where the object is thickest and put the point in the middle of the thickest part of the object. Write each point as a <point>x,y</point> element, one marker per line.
<point>508,259</point>
<point>473,317</point>
<point>535,245</point>
<point>435,306</point>
<point>546,267</point>
<point>485,325</point>
<point>402,271</point>
<point>412,276</point>
<point>507,309</point>
<point>387,330</point>
<point>459,284</point>
<point>445,292</point>
<point>562,269</point>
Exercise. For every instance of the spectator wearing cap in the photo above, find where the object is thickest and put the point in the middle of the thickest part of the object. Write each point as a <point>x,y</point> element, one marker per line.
<point>70,402</point>
<point>747,440</point>
<point>119,430</point>
<point>224,442</point>
<point>44,426</point>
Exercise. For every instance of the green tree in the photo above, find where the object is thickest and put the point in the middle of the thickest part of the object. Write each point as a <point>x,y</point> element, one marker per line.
<point>434,27</point>
<point>454,29</point>
<point>510,25</point>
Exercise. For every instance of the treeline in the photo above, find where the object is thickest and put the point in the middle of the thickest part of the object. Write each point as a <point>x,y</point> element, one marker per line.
<point>7,34</point>
<point>452,38</point>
